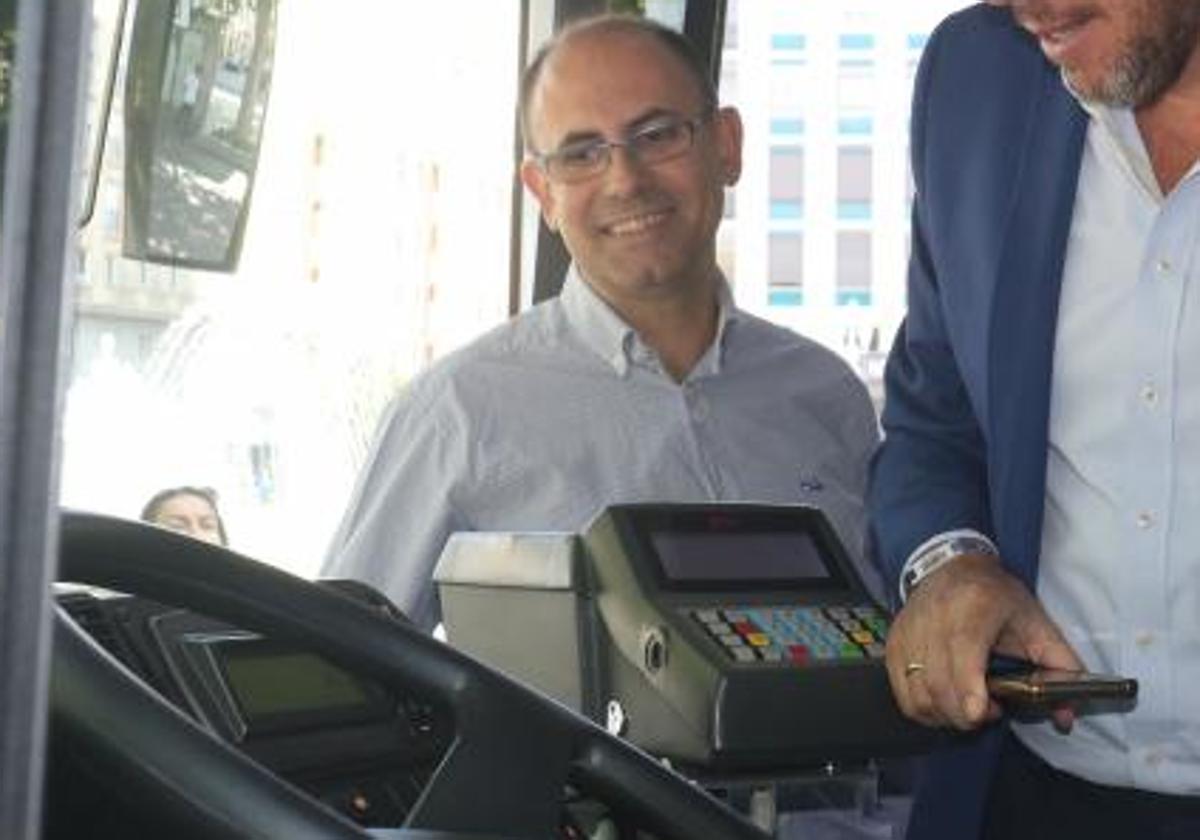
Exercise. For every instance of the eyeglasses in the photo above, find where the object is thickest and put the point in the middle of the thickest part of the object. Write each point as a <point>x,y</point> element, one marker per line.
<point>655,142</point>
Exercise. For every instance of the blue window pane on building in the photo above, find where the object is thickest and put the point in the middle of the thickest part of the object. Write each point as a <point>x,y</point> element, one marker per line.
<point>787,210</point>
<point>787,126</point>
<point>854,297</point>
<point>856,125</point>
<point>856,41</point>
<point>785,297</point>
<point>788,41</point>
<point>854,210</point>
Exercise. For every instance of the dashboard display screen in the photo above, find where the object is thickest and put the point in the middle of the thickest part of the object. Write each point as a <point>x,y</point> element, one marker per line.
<point>271,683</point>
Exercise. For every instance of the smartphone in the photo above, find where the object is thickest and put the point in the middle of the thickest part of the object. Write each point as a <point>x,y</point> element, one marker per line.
<point>1036,689</point>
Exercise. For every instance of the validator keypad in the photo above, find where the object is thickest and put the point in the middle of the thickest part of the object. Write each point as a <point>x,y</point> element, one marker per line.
<point>798,635</point>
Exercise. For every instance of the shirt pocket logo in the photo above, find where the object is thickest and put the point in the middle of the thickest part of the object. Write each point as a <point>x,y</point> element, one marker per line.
<point>811,483</point>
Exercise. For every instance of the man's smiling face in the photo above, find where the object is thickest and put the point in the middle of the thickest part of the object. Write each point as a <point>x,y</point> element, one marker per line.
<point>635,230</point>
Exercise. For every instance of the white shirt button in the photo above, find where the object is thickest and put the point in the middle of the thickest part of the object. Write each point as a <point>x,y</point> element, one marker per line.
<point>1162,265</point>
<point>642,355</point>
<point>1145,520</point>
<point>1143,639</point>
<point>1149,394</point>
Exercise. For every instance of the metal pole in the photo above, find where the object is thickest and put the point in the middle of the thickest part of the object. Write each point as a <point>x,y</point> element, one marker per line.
<point>36,236</point>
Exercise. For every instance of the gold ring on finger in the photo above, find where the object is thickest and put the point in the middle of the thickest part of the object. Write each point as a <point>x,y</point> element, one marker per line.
<point>913,668</point>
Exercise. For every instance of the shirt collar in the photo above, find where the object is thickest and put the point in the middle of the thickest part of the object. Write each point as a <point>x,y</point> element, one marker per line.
<point>1119,130</point>
<point>615,341</point>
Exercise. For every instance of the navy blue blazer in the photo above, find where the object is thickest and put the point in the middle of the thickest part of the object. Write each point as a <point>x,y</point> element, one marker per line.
<point>996,148</point>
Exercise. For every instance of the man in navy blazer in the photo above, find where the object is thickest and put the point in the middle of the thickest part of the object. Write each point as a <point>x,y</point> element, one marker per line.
<point>1033,496</point>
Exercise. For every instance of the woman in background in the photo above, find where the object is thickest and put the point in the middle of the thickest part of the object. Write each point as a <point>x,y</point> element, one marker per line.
<point>189,510</point>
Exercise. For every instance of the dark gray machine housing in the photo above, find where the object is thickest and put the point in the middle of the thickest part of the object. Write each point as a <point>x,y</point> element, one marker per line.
<point>605,623</point>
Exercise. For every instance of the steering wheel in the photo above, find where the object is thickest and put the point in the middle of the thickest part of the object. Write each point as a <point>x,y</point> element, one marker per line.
<point>512,754</point>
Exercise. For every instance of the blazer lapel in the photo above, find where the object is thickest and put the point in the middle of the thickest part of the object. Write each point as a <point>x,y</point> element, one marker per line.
<point>1024,316</point>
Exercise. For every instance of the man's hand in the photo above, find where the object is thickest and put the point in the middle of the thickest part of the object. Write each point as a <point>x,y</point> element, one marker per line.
<point>938,646</point>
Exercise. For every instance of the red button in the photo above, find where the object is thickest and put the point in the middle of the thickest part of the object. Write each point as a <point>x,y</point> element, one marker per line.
<point>799,653</point>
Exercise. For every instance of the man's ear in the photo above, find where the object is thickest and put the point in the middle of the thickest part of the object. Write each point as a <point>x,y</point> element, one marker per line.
<point>727,130</point>
<point>536,182</point>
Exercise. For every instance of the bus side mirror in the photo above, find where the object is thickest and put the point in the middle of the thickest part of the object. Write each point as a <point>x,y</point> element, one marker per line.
<point>197,85</point>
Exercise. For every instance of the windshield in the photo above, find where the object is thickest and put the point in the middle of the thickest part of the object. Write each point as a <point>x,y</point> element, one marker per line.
<point>381,234</point>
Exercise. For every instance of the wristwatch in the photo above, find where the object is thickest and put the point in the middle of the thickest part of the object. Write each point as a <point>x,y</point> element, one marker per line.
<point>937,553</point>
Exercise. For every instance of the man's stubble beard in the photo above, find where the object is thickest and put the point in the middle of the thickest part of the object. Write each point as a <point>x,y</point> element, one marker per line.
<point>1154,58</point>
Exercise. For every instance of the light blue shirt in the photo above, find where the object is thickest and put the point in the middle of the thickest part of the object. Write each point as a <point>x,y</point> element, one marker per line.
<point>545,420</point>
<point>1120,562</point>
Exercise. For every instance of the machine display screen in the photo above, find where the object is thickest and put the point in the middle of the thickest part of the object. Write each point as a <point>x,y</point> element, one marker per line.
<point>746,551</point>
<point>723,558</point>
<point>272,684</point>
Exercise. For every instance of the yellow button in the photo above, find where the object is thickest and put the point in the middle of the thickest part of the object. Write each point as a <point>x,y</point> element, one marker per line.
<point>758,639</point>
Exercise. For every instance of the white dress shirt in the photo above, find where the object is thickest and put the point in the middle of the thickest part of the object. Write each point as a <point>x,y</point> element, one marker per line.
<point>545,420</point>
<point>1120,554</point>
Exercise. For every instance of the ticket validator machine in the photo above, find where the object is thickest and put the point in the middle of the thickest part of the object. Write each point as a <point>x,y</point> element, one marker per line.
<point>729,638</point>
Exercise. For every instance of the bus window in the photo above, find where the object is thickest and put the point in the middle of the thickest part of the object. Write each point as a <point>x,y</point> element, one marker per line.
<point>815,235</point>
<point>378,239</point>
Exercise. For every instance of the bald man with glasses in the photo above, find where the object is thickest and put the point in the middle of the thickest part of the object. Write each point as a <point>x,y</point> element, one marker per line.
<point>642,381</point>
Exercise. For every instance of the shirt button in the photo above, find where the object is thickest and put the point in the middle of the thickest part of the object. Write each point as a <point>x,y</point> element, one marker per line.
<point>699,408</point>
<point>1145,520</point>
<point>1149,394</point>
<point>1144,639</point>
<point>642,355</point>
<point>1154,758</point>
<point>1162,265</point>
